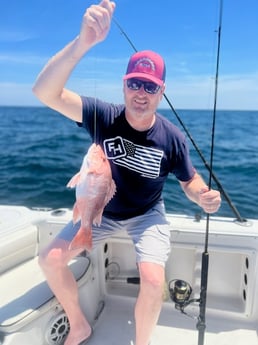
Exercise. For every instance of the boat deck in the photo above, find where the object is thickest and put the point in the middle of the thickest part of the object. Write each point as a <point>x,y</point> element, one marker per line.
<point>30,314</point>
<point>116,326</point>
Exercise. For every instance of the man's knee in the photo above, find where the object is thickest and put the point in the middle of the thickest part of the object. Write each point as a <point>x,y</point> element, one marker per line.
<point>152,276</point>
<point>51,258</point>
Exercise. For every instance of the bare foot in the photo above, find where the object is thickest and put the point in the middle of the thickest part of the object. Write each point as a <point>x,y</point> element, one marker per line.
<point>78,337</point>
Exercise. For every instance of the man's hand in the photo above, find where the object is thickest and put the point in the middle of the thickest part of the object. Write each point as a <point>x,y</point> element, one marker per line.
<point>197,191</point>
<point>209,200</point>
<point>96,23</point>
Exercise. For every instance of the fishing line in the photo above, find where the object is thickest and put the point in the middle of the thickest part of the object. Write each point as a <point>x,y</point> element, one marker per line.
<point>95,120</point>
<point>206,164</point>
<point>95,104</point>
<point>201,324</point>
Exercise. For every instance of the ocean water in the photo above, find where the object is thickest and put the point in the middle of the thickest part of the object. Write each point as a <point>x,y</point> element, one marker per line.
<point>41,150</point>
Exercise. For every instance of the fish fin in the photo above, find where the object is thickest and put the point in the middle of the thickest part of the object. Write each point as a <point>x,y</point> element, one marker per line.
<point>97,220</point>
<point>76,213</point>
<point>112,188</point>
<point>111,192</point>
<point>83,239</point>
<point>74,180</point>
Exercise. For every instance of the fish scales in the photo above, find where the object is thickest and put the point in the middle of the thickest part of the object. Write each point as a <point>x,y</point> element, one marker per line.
<point>94,189</point>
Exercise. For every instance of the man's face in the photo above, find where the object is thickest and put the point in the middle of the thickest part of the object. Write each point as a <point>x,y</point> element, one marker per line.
<point>139,102</point>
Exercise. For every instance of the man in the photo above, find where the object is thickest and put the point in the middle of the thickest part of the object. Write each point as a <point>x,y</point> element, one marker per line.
<point>142,147</point>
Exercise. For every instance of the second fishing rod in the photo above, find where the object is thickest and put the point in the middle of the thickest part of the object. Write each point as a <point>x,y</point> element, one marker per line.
<point>180,291</point>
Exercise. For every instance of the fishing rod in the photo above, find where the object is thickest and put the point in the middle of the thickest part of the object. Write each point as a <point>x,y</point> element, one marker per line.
<point>206,164</point>
<point>201,323</point>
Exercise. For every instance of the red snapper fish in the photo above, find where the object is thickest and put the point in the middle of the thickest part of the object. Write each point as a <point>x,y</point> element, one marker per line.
<point>94,189</point>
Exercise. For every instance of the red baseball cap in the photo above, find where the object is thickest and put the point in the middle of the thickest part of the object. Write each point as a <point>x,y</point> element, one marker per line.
<point>146,65</point>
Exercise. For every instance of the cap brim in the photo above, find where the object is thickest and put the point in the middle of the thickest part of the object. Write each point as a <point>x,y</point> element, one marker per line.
<point>144,76</point>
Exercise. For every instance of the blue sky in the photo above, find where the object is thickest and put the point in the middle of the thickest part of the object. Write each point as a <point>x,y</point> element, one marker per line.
<point>183,32</point>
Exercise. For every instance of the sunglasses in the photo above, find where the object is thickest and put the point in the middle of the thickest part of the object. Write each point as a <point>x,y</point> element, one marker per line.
<point>136,84</point>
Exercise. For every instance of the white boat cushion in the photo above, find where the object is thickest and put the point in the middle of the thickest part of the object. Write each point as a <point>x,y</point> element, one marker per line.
<point>24,290</point>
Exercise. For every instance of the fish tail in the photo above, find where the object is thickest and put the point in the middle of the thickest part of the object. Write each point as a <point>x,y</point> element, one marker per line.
<point>83,240</point>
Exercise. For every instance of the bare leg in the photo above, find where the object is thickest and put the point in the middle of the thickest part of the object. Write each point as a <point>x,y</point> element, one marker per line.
<point>149,302</point>
<point>54,263</point>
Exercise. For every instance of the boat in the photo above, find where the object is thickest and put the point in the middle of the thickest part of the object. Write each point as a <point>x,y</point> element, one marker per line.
<point>108,282</point>
<point>211,304</point>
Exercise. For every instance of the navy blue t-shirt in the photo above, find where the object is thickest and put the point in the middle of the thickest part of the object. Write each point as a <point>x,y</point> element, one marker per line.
<point>140,160</point>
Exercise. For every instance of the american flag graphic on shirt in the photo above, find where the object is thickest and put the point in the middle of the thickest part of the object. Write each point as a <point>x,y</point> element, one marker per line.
<point>144,160</point>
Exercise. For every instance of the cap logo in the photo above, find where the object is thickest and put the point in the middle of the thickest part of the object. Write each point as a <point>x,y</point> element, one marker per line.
<point>145,64</point>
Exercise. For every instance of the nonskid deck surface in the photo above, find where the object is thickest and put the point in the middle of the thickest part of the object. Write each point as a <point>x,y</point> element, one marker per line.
<point>115,326</point>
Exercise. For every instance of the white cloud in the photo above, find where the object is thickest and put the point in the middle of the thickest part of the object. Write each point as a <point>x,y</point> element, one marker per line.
<point>15,36</point>
<point>104,80</point>
<point>234,92</point>
<point>17,94</point>
<point>25,58</point>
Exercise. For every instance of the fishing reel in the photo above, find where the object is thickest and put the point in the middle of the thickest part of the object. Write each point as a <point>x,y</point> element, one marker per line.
<point>180,293</point>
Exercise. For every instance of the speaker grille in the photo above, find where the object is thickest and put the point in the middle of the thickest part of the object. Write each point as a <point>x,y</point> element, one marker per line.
<point>57,329</point>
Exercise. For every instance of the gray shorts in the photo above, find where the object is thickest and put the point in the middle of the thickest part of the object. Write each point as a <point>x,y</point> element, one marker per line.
<point>150,233</point>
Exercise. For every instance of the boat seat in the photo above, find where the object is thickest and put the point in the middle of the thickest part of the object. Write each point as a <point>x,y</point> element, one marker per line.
<point>24,291</point>
<point>18,237</point>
